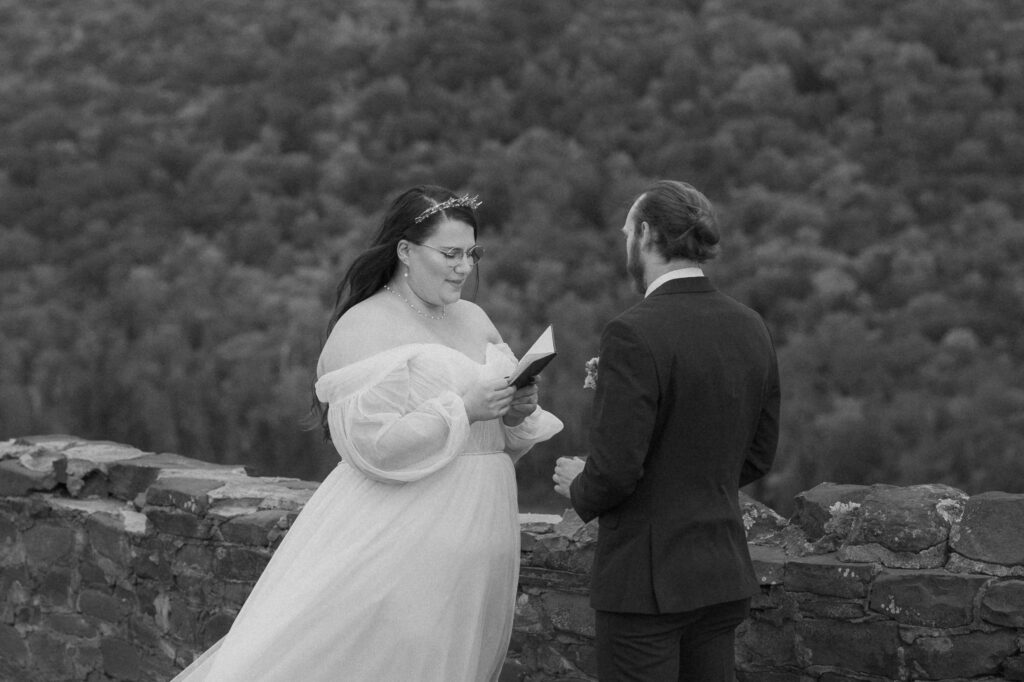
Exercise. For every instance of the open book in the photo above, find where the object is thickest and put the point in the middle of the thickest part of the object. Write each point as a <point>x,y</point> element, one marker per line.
<point>534,360</point>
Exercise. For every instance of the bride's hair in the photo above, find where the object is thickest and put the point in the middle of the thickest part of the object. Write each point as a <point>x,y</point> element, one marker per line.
<point>375,266</point>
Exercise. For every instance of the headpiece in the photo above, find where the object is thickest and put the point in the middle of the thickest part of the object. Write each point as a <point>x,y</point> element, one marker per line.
<point>465,200</point>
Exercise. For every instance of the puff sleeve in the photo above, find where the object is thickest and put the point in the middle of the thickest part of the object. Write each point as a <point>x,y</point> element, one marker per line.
<point>539,426</point>
<point>396,420</point>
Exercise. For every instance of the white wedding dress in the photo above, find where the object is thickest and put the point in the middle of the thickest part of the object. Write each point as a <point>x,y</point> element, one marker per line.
<point>403,565</point>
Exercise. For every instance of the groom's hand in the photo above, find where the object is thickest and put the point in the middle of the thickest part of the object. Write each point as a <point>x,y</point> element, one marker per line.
<point>566,470</point>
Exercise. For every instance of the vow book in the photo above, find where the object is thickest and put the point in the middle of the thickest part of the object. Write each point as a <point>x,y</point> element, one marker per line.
<point>534,360</point>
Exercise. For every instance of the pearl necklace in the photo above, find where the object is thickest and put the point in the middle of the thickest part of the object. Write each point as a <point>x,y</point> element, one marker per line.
<point>415,309</point>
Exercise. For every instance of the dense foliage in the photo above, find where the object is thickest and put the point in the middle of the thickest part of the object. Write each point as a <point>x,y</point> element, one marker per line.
<point>183,183</point>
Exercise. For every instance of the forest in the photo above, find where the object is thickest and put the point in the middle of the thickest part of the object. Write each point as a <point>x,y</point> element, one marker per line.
<point>182,185</point>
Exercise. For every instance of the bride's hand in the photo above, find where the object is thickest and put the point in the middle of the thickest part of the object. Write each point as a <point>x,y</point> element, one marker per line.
<point>524,402</point>
<point>487,399</point>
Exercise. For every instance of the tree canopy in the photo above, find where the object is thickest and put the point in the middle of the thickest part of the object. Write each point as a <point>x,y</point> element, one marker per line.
<point>183,184</point>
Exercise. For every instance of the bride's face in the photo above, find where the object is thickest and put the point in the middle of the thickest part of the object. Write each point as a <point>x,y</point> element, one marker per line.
<point>434,277</point>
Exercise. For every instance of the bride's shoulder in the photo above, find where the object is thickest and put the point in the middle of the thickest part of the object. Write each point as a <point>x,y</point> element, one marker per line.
<point>363,331</point>
<point>474,317</point>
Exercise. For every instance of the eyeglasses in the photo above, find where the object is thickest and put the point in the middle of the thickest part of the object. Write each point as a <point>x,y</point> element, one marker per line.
<point>455,255</point>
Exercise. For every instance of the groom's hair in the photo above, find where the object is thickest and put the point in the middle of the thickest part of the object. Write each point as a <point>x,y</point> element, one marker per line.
<point>682,221</point>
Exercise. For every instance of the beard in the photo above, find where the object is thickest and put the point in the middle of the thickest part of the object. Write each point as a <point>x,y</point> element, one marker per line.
<point>635,267</point>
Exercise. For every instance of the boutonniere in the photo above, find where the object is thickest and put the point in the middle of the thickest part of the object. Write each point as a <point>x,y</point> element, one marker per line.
<point>590,381</point>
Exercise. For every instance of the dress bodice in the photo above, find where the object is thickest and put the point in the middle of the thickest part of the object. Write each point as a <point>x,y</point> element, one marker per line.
<point>398,415</point>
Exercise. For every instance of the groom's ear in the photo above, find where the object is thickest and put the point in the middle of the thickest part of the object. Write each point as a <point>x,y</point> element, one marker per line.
<point>644,236</point>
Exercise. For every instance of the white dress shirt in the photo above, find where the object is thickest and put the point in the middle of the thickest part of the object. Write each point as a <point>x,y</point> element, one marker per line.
<point>674,274</point>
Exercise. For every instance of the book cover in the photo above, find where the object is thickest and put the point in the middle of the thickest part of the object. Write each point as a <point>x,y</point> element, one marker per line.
<point>534,360</point>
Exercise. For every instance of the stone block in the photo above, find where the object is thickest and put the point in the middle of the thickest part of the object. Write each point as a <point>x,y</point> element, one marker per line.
<point>1003,604</point>
<point>54,587</point>
<point>769,564</point>
<point>239,563</point>
<point>44,459</point>
<point>121,659</point>
<point>958,563</point>
<point>213,627</point>
<point>761,523</point>
<point>130,477</point>
<point>990,529</point>
<point>107,539</point>
<point>584,658</point>
<point>546,578</point>
<point>194,557</point>
<point>908,519</point>
<point>16,480</point>
<point>827,576</point>
<point>774,605</point>
<point>874,553</point>
<point>870,648</point>
<point>12,646</point>
<point>179,523</point>
<point>188,494</point>
<point>755,675</point>
<point>816,606</point>
<point>1013,668</point>
<point>47,544</point>
<point>182,619</point>
<point>50,656</point>
<point>144,632</point>
<point>569,612</point>
<point>264,493</point>
<point>934,599</point>
<point>72,624</point>
<point>761,645</point>
<point>259,528</point>
<point>102,606</point>
<point>91,574</point>
<point>87,661</point>
<point>8,531</point>
<point>960,656</point>
<point>158,666</point>
<point>529,615</point>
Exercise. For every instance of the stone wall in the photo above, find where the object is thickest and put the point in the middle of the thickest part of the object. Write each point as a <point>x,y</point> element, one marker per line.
<point>116,564</point>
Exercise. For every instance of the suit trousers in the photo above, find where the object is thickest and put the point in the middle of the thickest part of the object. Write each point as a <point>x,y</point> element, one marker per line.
<point>693,646</point>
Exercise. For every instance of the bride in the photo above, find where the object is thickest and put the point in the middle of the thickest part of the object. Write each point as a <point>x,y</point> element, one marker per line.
<point>403,565</point>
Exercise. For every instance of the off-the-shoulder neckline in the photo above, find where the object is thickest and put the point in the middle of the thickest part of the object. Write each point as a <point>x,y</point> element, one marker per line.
<point>411,345</point>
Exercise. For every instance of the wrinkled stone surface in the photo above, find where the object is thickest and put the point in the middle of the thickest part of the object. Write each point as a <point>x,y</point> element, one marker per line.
<point>870,647</point>
<point>826,575</point>
<point>933,557</point>
<point>1003,603</point>
<point>991,529</point>
<point>910,519</point>
<point>762,523</point>
<point>955,656</point>
<point>818,506</point>
<point>929,598</point>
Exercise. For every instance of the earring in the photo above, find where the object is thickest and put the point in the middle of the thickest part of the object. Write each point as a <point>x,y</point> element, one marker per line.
<point>406,273</point>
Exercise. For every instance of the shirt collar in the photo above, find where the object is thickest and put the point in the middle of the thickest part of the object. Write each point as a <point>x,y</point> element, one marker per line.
<point>673,274</point>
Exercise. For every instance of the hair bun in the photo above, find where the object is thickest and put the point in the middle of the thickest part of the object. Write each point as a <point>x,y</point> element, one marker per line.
<point>705,228</point>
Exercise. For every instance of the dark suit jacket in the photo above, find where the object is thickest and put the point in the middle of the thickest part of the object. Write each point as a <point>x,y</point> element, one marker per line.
<point>686,412</point>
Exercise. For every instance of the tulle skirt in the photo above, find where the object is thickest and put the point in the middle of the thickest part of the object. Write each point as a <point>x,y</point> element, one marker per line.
<point>382,582</point>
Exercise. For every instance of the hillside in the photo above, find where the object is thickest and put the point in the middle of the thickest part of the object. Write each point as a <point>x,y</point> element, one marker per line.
<point>182,185</point>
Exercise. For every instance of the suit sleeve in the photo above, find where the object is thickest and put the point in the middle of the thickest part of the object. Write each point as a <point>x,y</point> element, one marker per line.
<point>761,453</point>
<point>625,407</point>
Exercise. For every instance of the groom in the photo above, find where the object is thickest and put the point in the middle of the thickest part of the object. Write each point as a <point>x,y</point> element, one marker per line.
<point>686,412</point>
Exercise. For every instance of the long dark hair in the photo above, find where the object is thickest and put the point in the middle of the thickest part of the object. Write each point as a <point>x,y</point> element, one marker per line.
<point>375,266</point>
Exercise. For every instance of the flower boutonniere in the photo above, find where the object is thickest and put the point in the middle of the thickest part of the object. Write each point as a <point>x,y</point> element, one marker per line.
<point>590,381</point>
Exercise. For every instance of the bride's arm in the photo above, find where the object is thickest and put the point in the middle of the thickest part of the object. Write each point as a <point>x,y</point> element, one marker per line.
<point>389,434</point>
